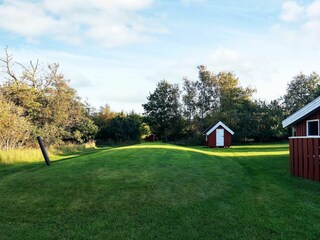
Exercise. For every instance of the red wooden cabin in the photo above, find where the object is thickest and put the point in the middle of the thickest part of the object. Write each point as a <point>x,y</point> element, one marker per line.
<point>304,143</point>
<point>218,135</point>
<point>151,138</point>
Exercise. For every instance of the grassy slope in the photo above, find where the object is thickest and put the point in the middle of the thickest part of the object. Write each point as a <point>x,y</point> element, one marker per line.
<point>160,192</point>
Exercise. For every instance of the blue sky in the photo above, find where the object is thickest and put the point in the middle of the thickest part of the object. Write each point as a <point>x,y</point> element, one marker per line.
<point>114,52</point>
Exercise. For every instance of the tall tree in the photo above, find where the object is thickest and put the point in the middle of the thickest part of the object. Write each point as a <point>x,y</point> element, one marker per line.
<point>189,99</point>
<point>233,98</point>
<point>267,119</point>
<point>122,127</point>
<point>47,100</point>
<point>103,116</point>
<point>208,99</point>
<point>230,92</point>
<point>301,90</point>
<point>163,109</point>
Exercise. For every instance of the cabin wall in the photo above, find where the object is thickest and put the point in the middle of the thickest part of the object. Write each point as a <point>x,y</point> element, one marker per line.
<point>227,139</point>
<point>301,127</point>
<point>304,157</point>
<point>212,141</point>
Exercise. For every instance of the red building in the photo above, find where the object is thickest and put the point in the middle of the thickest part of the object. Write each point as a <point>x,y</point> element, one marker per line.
<point>304,143</point>
<point>151,138</point>
<point>218,135</point>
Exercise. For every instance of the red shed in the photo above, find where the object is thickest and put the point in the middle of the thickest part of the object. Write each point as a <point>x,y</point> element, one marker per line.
<point>304,143</point>
<point>218,135</point>
<point>151,138</point>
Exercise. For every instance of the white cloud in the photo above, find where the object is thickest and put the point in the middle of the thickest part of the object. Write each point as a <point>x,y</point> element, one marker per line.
<point>254,67</point>
<point>225,56</point>
<point>313,10</point>
<point>292,11</point>
<point>110,23</point>
<point>300,24</point>
<point>17,15</point>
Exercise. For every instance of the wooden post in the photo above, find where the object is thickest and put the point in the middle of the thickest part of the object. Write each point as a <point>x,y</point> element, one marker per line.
<point>43,150</point>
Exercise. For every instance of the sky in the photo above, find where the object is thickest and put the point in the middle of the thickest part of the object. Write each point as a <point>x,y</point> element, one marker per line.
<point>115,51</point>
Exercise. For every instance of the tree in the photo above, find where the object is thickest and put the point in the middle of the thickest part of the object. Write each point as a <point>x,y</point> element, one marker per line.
<point>268,118</point>
<point>14,128</point>
<point>208,99</point>
<point>231,93</point>
<point>234,100</point>
<point>162,110</point>
<point>300,91</point>
<point>103,116</point>
<point>189,99</point>
<point>47,101</point>
<point>123,128</point>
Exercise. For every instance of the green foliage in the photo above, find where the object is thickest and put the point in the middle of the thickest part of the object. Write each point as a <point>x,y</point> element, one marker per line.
<point>162,110</point>
<point>144,130</point>
<point>189,99</point>
<point>103,116</point>
<point>231,94</point>
<point>301,90</point>
<point>120,127</point>
<point>213,98</point>
<point>14,128</point>
<point>40,101</point>
<point>84,130</point>
<point>45,104</point>
<point>208,99</point>
<point>269,117</point>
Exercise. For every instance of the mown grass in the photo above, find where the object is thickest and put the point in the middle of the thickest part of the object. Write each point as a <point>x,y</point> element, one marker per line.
<point>160,191</point>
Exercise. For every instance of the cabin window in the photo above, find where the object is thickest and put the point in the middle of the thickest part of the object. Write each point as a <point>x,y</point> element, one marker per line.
<point>313,128</point>
<point>294,131</point>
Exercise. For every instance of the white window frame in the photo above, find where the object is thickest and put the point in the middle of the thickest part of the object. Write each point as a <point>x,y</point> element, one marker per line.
<point>314,120</point>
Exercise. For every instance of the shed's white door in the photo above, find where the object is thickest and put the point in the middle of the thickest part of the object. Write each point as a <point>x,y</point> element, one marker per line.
<point>220,137</point>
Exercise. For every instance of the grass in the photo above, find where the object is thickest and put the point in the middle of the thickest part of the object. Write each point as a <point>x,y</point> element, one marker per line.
<point>28,155</point>
<point>160,191</point>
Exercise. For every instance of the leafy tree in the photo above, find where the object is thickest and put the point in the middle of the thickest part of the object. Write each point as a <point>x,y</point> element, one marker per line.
<point>144,130</point>
<point>208,99</point>
<point>14,128</point>
<point>235,102</point>
<point>245,124</point>
<point>120,127</point>
<point>84,130</point>
<point>231,94</point>
<point>189,99</point>
<point>162,110</point>
<point>47,101</point>
<point>103,116</point>
<point>301,90</point>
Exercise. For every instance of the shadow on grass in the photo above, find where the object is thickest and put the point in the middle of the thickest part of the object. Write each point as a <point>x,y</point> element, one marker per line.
<point>100,148</point>
<point>72,155</point>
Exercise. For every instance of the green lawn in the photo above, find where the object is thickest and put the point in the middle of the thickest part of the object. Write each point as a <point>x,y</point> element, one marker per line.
<point>160,191</point>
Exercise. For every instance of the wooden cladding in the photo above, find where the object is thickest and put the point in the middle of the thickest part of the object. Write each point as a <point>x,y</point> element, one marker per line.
<point>304,157</point>
<point>301,127</point>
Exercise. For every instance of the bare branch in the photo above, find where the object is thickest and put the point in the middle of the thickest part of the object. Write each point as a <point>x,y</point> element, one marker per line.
<point>30,74</point>
<point>8,65</point>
